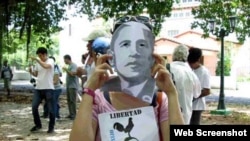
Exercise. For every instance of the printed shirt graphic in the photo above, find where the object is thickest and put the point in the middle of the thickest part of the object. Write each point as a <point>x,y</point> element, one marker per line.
<point>129,125</point>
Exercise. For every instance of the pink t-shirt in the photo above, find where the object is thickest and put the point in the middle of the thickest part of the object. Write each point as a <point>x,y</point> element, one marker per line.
<point>103,106</point>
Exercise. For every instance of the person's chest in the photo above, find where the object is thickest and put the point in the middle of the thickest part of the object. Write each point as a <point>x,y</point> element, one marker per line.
<point>123,101</point>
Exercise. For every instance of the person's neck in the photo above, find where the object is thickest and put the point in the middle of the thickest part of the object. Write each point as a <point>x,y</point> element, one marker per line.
<point>198,66</point>
<point>120,101</point>
<point>146,87</point>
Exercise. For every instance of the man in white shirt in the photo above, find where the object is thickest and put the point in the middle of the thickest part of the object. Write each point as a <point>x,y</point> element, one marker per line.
<point>44,71</point>
<point>199,104</point>
<point>186,82</point>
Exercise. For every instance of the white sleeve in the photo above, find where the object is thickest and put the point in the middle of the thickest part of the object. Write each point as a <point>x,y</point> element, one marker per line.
<point>206,80</point>
<point>197,86</point>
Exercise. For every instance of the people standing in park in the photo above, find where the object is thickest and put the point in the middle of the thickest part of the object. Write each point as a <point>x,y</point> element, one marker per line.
<point>187,84</point>
<point>44,71</point>
<point>6,75</point>
<point>72,85</point>
<point>199,103</point>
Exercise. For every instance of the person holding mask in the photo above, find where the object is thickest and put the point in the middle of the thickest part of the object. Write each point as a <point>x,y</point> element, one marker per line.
<point>139,71</point>
<point>44,71</point>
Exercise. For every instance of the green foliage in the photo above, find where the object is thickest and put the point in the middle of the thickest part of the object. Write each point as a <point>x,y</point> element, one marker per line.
<point>157,9</point>
<point>17,53</point>
<point>227,67</point>
<point>243,78</point>
<point>30,17</point>
<point>220,11</point>
<point>227,60</point>
<point>41,18</point>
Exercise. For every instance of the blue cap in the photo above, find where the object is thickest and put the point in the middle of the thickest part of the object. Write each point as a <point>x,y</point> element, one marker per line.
<point>101,44</point>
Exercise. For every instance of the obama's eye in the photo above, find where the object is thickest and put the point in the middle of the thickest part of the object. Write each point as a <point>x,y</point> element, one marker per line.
<point>125,43</point>
<point>142,44</point>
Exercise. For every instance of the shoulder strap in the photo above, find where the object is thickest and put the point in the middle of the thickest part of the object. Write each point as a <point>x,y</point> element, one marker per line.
<point>154,102</point>
<point>168,67</point>
<point>106,96</point>
<point>159,101</point>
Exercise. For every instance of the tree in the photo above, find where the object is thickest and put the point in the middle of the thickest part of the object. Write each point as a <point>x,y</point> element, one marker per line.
<point>157,9</point>
<point>41,17</point>
<point>220,11</point>
<point>30,16</point>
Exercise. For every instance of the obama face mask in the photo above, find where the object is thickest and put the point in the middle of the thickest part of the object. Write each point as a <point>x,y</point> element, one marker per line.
<point>132,45</point>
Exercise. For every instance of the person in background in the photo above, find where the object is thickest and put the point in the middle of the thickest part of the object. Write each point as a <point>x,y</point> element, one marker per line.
<point>7,75</point>
<point>72,85</point>
<point>199,103</point>
<point>81,72</point>
<point>90,59</point>
<point>57,91</point>
<point>187,84</point>
<point>44,71</point>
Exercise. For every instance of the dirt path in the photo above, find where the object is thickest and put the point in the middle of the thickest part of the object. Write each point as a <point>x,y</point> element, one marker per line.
<point>16,120</point>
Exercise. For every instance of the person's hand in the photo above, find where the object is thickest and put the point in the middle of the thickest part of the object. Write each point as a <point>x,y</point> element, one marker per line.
<point>30,69</point>
<point>33,58</point>
<point>162,75</point>
<point>80,71</point>
<point>64,68</point>
<point>100,73</point>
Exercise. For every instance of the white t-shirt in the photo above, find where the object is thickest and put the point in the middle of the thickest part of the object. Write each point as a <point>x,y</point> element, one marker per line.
<point>45,76</point>
<point>204,77</point>
<point>187,85</point>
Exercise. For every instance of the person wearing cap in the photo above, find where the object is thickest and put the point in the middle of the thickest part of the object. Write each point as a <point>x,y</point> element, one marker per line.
<point>89,61</point>
<point>91,57</point>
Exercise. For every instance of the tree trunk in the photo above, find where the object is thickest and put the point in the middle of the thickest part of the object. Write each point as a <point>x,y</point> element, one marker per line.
<point>1,40</point>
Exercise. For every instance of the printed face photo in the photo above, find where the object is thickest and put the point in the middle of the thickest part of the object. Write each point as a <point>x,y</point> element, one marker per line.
<point>133,50</point>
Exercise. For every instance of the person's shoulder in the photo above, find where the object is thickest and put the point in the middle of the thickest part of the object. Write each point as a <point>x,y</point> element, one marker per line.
<point>51,61</point>
<point>205,70</point>
<point>74,64</point>
<point>99,97</point>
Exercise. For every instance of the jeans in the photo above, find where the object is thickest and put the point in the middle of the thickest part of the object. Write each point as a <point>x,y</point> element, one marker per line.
<point>38,96</point>
<point>56,94</point>
<point>196,117</point>
<point>71,100</point>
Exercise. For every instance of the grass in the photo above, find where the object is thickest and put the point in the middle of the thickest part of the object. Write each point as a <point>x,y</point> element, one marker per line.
<point>243,79</point>
<point>239,114</point>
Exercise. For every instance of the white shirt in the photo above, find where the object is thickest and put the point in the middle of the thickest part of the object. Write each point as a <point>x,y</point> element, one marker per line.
<point>45,76</point>
<point>187,85</point>
<point>204,77</point>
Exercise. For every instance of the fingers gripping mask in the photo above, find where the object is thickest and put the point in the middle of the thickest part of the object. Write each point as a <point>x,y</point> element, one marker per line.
<point>132,50</point>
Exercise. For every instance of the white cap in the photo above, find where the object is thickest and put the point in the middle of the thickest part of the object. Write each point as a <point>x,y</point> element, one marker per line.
<point>95,34</point>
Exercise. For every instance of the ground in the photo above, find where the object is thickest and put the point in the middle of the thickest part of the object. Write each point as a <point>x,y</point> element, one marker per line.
<point>16,119</point>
